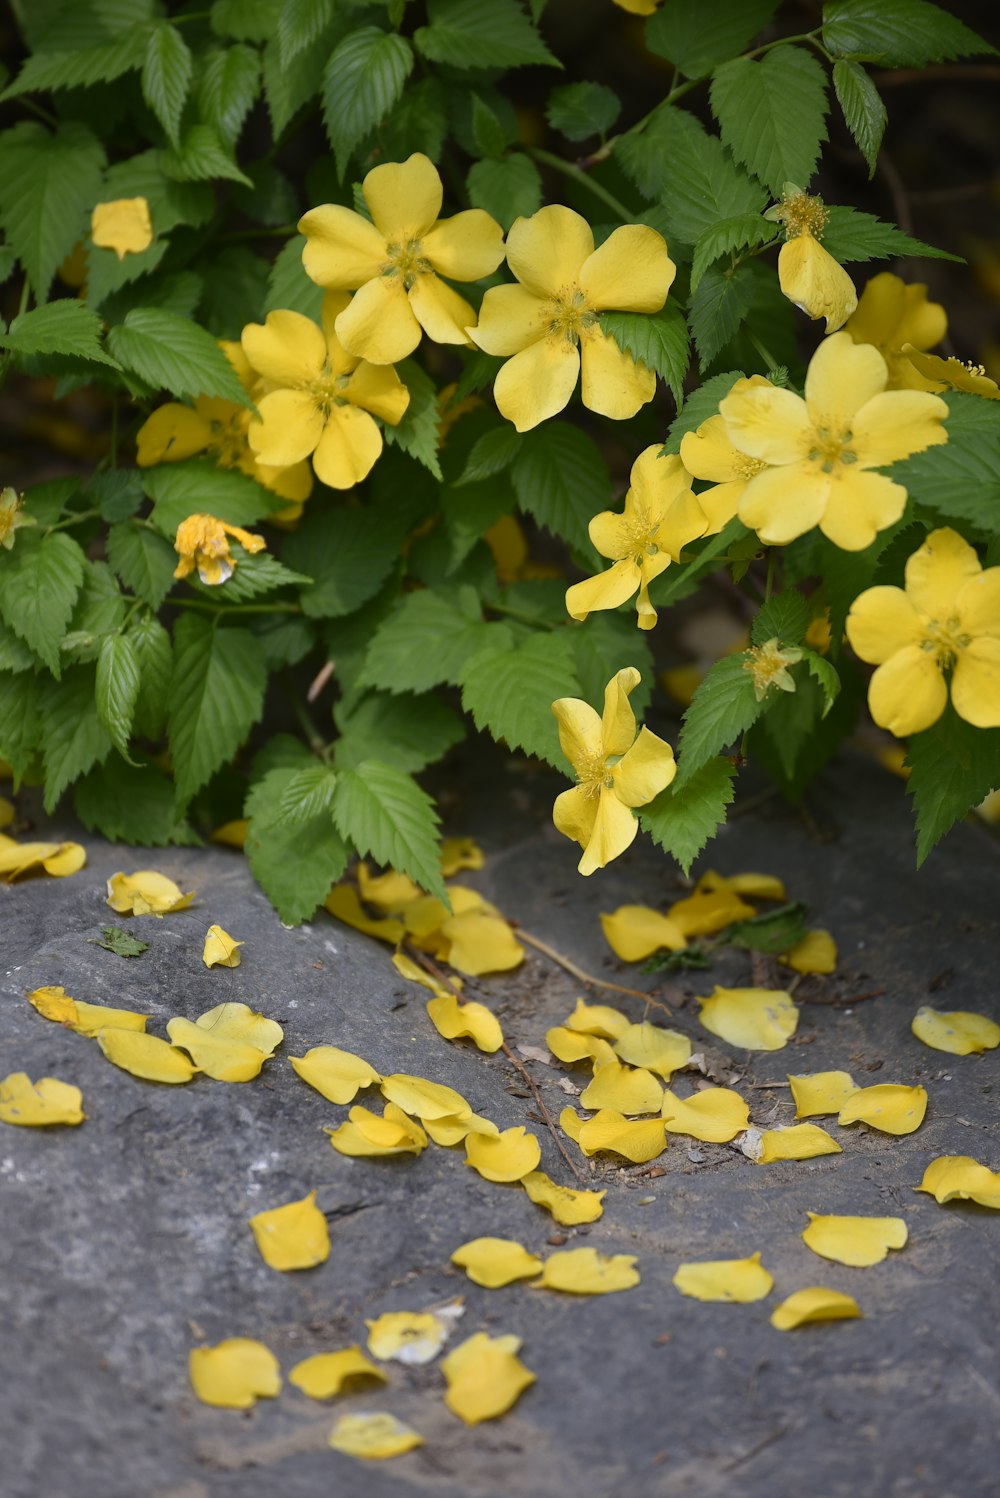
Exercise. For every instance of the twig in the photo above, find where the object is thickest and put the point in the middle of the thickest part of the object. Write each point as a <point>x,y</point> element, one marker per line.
<point>857,998</point>
<point>577,972</point>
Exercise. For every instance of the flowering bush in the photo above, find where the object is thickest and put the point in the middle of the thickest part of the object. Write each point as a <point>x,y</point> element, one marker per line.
<point>324,466</point>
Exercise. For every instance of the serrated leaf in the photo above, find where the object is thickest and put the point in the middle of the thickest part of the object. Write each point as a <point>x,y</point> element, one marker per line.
<point>772,114</point>
<point>580,110</point>
<point>967,485</point>
<point>14,654</point>
<point>898,33</point>
<point>73,737</point>
<point>419,122</point>
<point>510,693</point>
<point>561,478</point>
<point>117,689</point>
<point>419,432</point>
<point>953,767</point>
<point>507,188</point>
<point>166,76</point>
<point>864,113</point>
<point>696,38</point>
<point>170,353</point>
<point>301,23</point>
<point>659,340</point>
<point>288,89</point>
<point>682,819</point>
<point>115,938</point>
<point>383,811</point>
<point>821,670</point>
<point>425,642</point>
<point>308,794</point>
<point>227,88</point>
<point>39,583</point>
<point>723,707</point>
<point>491,453</point>
<point>201,156</point>
<point>698,179</point>
<point>81,68</point>
<point>246,20</point>
<point>65,327</point>
<point>99,611</point>
<point>48,183</point>
<point>746,230</point>
<point>116,491</point>
<point>143,561</point>
<point>469,34</point>
<point>363,79</point>
<point>253,577</point>
<point>851,235</point>
<point>348,553</point>
<point>170,203</point>
<point>216,696</point>
<point>404,730</point>
<point>489,136</point>
<point>718,308</point>
<point>602,646</point>
<point>295,864</point>
<point>774,931</point>
<point>784,617</point>
<point>20,723</point>
<point>198,487</point>
<point>156,660</point>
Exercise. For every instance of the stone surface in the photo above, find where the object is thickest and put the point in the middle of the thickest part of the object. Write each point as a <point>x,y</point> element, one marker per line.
<point>124,1242</point>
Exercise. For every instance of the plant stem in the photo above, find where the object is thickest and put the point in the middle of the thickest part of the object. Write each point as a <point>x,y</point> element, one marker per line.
<point>76,519</point>
<point>314,738</point>
<point>575,174</point>
<point>764,352</point>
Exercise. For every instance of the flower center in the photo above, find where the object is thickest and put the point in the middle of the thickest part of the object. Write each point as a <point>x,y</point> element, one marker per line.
<point>944,639</point>
<point>228,441</point>
<point>746,467</point>
<point>330,390</point>
<point>406,259</point>
<point>830,446</point>
<point>640,537</point>
<point>802,214</point>
<point>768,665</point>
<point>568,315</point>
<point>593,772</point>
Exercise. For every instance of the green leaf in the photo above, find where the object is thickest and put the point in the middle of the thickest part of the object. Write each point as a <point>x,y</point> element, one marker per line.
<point>117,689</point>
<point>14,654</point>
<point>246,20</point>
<point>81,68</point>
<point>156,661</point>
<point>272,200</point>
<point>602,646</point>
<point>73,736</point>
<point>66,327</point>
<point>202,157</point>
<point>491,453</point>
<point>510,693</point>
<point>143,560</point>
<point>234,286</point>
<point>419,432</point>
<point>698,179</point>
<point>772,114</point>
<point>166,77</point>
<point>301,24</point>
<point>364,77</point>
<point>254,576</point>
<point>115,938</point>
<point>953,767</point>
<point>171,353</point>
<point>580,110</point>
<point>775,932</point>
<point>682,819</point>
<point>469,34</point>
<point>722,708</point>
<point>861,104</point>
<point>20,723</point>
<point>170,203</point>
<point>99,611</point>
<point>959,479</point>
<point>289,287</point>
<point>39,583</point>
<point>700,405</point>
<point>697,38</point>
<point>488,132</point>
<point>383,811</point>
<point>825,674</point>
<point>404,730</point>
<point>48,184</point>
<point>507,187</point>
<point>216,697</point>
<point>197,487</point>
<point>308,794</point>
<point>227,88</point>
<point>289,89</point>
<point>744,231</point>
<point>348,553</point>
<point>560,477</point>
<point>116,491</point>
<point>658,340</point>
<point>784,617</point>
<point>718,308</point>
<point>295,863</point>
<point>851,235</point>
<point>898,33</point>
<point>419,122</point>
<point>425,642</point>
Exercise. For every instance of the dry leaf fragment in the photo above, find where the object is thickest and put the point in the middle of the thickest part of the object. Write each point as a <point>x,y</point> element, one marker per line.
<point>408,1336</point>
<point>218,1057</point>
<point>951,1176</point>
<point>819,1093</point>
<point>494,1262</point>
<point>485,1377</point>
<point>584,1271</point>
<point>58,859</point>
<point>814,1304</point>
<point>626,1089</point>
<point>234,1374</point>
<point>145,1056</point>
<point>86,1019</point>
<point>758,1019</point>
<point>240,1022</point>
<point>146,893</point>
<point>857,1241</point>
<point>37,1105</point>
<point>734,1280</point>
<point>715,1115</point>
<point>815,953</point>
<point>220,950</point>
<point>324,1374</point>
<point>373,1437</point>
<point>955,1031</point>
<point>453,1130</point>
<point>472,1021</point>
<point>890,1108</point>
<point>343,902</point>
<point>338,1075</point>
<point>708,911</point>
<point>366,1134</point>
<point>294,1236</point>
<point>635,932</point>
<point>572,1046</point>
<point>568,1206</point>
<point>598,1019</point>
<point>796,1142</point>
<point>424,1099</point>
<point>506,1157</point>
<point>638,1140</point>
<point>657,1049</point>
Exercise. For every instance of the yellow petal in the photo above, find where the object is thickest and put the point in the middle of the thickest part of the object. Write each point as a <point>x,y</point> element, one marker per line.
<point>55,1004</point>
<point>951,1176</point>
<point>715,1115</point>
<point>404,196</point>
<point>288,349</point>
<point>584,1271</point>
<point>481,943</point>
<point>626,1089</point>
<point>888,1108</point>
<point>220,949</point>
<point>459,853</point>
<point>232,834</point>
<point>537,382</point>
<point>379,324</point>
<point>465,247</point>
<point>146,1056</point>
<point>234,1374</point>
<point>814,1304</point>
<point>882,621</point>
<point>815,953</point>
<point>366,1134</point>
<point>17,859</point>
<point>423,1099</point>
<point>453,1130</point>
<point>907,693</point>
<point>406,966</point>
<point>294,1236</point>
<point>485,1377</point>
<point>758,1019</point>
<point>343,902</point>
<point>440,311</point>
<point>546,251</point>
<point>348,447</point>
<point>408,1336</point>
<point>493,1262</point>
<point>65,858</point>
<point>571,1123</point>
<point>240,1022</point>
<point>891,426</point>
<point>86,1019</point>
<point>509,1156</point>
<point>598,1019</point>
<point>658,1050</point>
<point>822,1092</point>
<point>734,1280</point>
<point>170,434</point>
<point>796,1142</point>
<point>39,1104</point>
<point>510,318</point>
<point>635,932</point>
<point>289,427</point>
<point>708,911</point>
<point>373,1437</point>
<point>324,1374</point>
<point>630,272</point>
<point>763,421</point>
<point>568,1206</point>
<point>342,248</point>
<point>456,1021</point>
<point>145,893</point>
<point>570,1046</point>
<point>123,226</point>
<point>637,1140</point>
<point>858,1241</point>
<point>811,278</point>
<point>955,1031</point>
<point>783,503</point>
<point>613,384</point>
<point>338,1075</point>
<point>388,892</point>
<point>217,1056</point>
<point>755,886</point>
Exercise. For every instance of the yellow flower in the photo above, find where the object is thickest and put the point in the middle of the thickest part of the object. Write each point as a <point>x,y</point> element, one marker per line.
<point>768,665</point>
<point>201,542</point>
<point>952,374</point>
<point>323,400</point>
<point>12,516</point>
<point>661,516</point>
<point>395,262</point>
<point>807,274</point>
<point>123,226</point>
<point>946,619</point>
<point>900,321</point>
<point>819,450</point>
<point>637,7</point>
<point>549,321</point>
<point>616,770</point>
<point>707,453</point>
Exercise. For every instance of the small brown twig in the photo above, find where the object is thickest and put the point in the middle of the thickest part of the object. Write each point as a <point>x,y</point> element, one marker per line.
<point>577,972</point>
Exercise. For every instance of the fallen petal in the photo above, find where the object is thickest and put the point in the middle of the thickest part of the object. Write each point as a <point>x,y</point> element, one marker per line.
<point>508,1157</point>
<point>146,893</point>
<point>951,1176</point>
<point>481,942</point>
<point>223,1060</point>
<point>756,886</point>
<point>814,1304</point>
<point>598,1019</point>
<point>294,1236</point>
<point>86,1019</point>
<point>234,1374</point>
<point>567,1206</point>
<point>485,1377</point>
<point>37,1105</point>
<point>657,1049</point>
<point>890,1108</point>
<point>407,1336</point>
<point>458,1021</point>
<point>715,1115</point>
<point>373,1437</point>
<point>735,1280</point>
<point>343,902</point>
<point>145,1056</point>
<point>758,1019</point>
<point>453,1130</point>
<point>494,1262</point>
<point>955,1031</point>
<point>635,932</point>
<point>366,1134</point>
<point>708,911</point>
<point>815,953</point>
<point>240,1022</point>
<point>338,1075</point>
<point>324,1374</point>
<point>857,1241</point>
<point>424,1099</point>
<point>626,1089</point>
<point>407,968</point>
<point>796,1142</point>
<point>584,1271</point>
<point>638,1140</point>
<point>572,1045</point>
<point>220,950</point>
<point>819,1093</point>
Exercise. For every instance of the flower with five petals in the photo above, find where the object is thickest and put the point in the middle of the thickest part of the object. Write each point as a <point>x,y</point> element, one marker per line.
<point>707,453</point>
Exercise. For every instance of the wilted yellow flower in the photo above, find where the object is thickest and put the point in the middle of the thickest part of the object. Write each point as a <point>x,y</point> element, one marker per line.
<point>394,263</point>
<point>322,401</point>
<point>945,620</point>
<point>549,321</point>
<point>616,769</point>
<point>808,275</point>
<point>145,893</point>
<point>201,542</point>
<point>819,450</point>
<point>952,374</point>
<point>123,226</point>
<point>899,320</point>
<point>234,1374</point>
<point>12,516</point>
<point>660,518</point>
<point>768,665</point>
